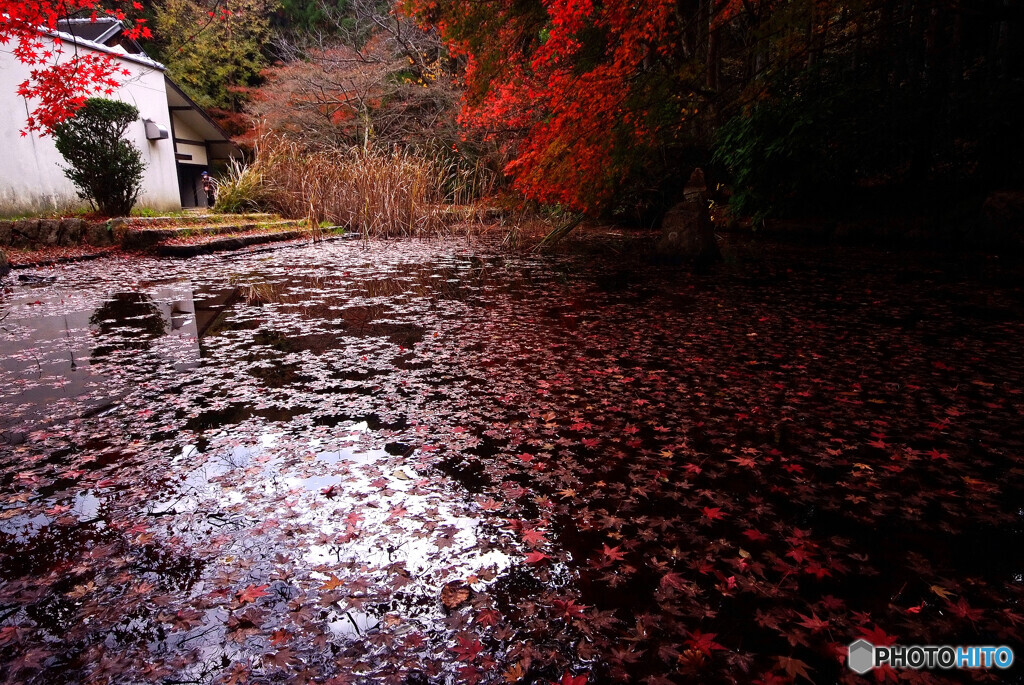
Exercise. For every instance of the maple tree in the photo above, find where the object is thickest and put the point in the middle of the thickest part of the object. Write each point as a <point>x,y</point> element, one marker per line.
<point>602,100</point>
<point>590,89</point>
<point>608,104</point>
<point>62,77</point>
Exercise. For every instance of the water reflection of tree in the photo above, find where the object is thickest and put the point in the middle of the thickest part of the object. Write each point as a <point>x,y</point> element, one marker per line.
<point>127,321</point>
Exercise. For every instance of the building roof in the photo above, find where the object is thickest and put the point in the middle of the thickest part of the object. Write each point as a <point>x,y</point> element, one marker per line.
<point>182,106</point>
<point>103,35</point>
<point>99,30</point>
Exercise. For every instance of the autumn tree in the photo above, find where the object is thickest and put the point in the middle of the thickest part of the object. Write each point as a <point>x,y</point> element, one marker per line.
<point>214,51</point>
<point>607,104</point>
<point>597,99</point>
<point>368,77</point>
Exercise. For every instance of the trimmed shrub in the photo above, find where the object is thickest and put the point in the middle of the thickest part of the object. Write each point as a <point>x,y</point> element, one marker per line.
<point>105,168</point>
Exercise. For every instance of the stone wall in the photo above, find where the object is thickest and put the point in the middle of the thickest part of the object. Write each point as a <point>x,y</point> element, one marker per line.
<point>36,233</point>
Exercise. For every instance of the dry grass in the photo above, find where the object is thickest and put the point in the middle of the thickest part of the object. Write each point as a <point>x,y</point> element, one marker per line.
<point>373,193</point>
<point>242,190</point>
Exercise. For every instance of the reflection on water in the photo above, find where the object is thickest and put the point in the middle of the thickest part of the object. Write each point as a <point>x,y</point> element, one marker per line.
<point>129,321</point>
<point>58,363</point>
<point>238,437</point>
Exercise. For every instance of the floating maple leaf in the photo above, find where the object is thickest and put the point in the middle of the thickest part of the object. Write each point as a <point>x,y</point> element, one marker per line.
<point>252,593</point>
<point>713,513</point>
<point>876,636</point>
<point>812,622</point>
<point>568,609</point>
<point>793,667</point>
<point>703,642</point>
<point>454,593</point>
<point>533,537</point>
<point>332,583</point>
<point>569,679</point>
<point>613,553</point>
<point>467,647</point>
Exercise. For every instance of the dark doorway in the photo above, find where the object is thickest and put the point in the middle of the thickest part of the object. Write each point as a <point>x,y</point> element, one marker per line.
<point>191,185</point>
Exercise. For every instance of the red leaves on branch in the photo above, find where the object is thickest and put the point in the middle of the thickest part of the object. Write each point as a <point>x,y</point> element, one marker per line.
<point>62,76</point>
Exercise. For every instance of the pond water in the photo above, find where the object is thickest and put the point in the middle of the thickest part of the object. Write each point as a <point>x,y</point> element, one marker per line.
<point>437,463</point>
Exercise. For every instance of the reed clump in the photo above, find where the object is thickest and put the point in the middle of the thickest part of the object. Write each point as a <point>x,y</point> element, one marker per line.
<point>380,194</point>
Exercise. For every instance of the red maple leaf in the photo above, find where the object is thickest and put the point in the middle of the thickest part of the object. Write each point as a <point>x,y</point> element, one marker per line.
<point>488,617</point>
<point>569,609</point>
<point>468,647</point>
<point>672,581</point>
<point>793,667</point>
<point>570,679</point>
<point>613,553</point>
<point>876,636</point>
<point>252,593</point>
<point>812,622</point>
<point>817,570</point>
<point>799,555</point>
<point>713,513</point>
<point>963,610</point>
<point>704,642</point>
<point>533,537</point>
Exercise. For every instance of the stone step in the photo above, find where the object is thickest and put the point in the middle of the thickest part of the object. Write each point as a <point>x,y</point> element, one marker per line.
<point>197,218</point>
<point>136,238</point>
<point>32,233</point>
<point>229,242</point>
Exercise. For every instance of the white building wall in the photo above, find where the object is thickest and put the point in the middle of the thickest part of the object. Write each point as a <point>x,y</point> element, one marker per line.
<point>182,131</point>
<point>31,174</point>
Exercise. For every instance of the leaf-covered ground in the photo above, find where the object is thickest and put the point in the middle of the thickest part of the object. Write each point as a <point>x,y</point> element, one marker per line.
<point>429,463</point>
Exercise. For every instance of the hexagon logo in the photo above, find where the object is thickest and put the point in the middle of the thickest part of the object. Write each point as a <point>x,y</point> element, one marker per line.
<point>862,656</point>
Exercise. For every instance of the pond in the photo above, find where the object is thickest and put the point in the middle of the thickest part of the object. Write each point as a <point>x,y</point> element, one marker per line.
<point>431,462</point>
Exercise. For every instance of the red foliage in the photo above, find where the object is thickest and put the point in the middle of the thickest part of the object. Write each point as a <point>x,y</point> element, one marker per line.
<point>61,78</point>
<point>588,87</point>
